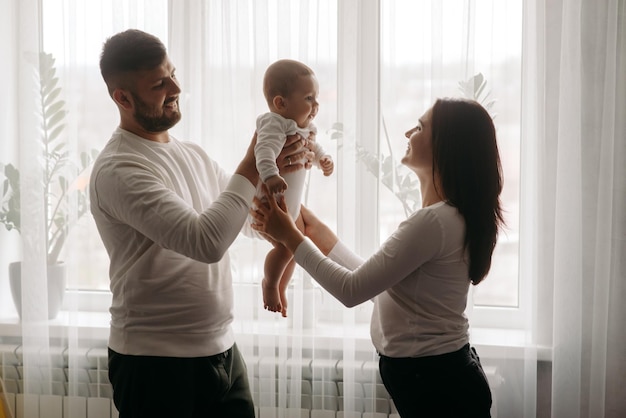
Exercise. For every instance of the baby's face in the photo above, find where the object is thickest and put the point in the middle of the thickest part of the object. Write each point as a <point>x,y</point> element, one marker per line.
<point>301,104</point>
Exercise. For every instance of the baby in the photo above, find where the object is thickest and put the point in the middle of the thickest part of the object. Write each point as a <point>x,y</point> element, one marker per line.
<point>291,90</point>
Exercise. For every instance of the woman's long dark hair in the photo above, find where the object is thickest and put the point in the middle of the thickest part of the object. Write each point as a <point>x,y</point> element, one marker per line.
<point>465,155</point>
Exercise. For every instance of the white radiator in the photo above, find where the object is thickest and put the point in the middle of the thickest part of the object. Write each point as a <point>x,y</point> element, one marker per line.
<point>318,392</point>
<point>54,406</point>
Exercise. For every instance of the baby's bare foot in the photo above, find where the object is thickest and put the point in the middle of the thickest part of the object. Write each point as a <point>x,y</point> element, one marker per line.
<point>283,301</point>
<point>271,297</point>
<point>282,292</point>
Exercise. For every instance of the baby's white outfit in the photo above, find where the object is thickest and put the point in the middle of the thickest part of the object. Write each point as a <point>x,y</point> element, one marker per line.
<point>272,131</point>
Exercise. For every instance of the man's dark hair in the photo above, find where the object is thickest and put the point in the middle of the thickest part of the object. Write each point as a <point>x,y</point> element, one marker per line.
<point>127,52</point>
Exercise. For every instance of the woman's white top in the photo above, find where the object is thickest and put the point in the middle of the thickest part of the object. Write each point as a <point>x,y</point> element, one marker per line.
<point>418,280</point>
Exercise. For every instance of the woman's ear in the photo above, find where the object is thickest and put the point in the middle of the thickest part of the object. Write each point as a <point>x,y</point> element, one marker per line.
<point>122,98</point>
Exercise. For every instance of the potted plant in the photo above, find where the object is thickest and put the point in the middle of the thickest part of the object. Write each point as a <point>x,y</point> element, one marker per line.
<point>63,188</point>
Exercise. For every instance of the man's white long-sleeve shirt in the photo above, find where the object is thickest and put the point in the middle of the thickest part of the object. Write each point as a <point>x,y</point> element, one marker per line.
<point>167,214</point>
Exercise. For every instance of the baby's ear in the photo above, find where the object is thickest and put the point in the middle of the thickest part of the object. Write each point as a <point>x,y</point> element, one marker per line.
<point>279,102</point>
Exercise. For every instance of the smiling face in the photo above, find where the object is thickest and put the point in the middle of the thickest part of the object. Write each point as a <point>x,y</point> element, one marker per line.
<point>301,103</point>
<point>155,98</point>
<point>419,153</point>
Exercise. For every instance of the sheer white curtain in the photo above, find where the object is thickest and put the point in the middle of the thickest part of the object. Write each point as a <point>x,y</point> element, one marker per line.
<point>576,79</point>
<point>556,349</point>
<point>21,147</point>
<point>44,361</point>
<point>221,50</point>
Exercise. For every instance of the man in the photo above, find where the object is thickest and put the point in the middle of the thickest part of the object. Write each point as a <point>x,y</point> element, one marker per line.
<point>167,214</point>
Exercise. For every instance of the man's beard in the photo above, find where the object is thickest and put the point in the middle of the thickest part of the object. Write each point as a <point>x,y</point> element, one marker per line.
<point>150,121</point>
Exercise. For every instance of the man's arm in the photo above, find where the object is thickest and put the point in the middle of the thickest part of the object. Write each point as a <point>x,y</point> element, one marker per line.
<point>247,166</point>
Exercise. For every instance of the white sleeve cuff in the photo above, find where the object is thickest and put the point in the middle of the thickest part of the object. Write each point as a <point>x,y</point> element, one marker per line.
<point>241,186</point>
<point>344,256</point>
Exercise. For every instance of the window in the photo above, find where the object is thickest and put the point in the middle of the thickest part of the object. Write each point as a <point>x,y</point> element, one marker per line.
<point>425,53</point>
<point>423,58</point>
<point>92,116</point>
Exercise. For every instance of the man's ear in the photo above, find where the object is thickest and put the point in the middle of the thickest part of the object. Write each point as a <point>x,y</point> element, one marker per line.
<point>122,98</point>
<point>279,102</point>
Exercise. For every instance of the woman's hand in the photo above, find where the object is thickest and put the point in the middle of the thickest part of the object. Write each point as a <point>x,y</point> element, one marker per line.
<point>294,155</point>
<point>272,219</point>
<point>321,235</point>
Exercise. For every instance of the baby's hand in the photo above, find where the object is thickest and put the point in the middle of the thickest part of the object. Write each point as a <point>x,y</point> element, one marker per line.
<point>310,141</point>
<point>327,165</point>
<point>276,184</point>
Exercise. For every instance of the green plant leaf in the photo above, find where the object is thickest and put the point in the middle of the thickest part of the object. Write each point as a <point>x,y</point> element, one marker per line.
<point>85,160</point>
<point>474,87</point>
<point>63,183</point>
<point>52,96</point>
<point>10,208</point>
<point>50,82</point>
<point>56,118</point>
<point>338,126</point>
<point>5,188</point>
<point>58,148</point>
<point>60,221</point>
<point>55,134</point>
<point>53,109</point>
<point>13,175</point>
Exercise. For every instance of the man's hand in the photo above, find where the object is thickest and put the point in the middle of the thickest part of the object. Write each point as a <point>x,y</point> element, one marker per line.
<point>294,156</point>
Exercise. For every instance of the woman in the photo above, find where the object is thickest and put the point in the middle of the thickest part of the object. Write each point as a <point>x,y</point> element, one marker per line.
<point>419,278</point>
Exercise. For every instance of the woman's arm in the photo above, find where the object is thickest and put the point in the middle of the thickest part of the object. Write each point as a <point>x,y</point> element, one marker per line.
<point>416,241</point>
<point>317,231</point>
<point>322,236</point>
<point>327,241</point>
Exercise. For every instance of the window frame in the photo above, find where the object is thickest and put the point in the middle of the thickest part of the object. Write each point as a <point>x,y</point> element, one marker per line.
<point>360,34</point>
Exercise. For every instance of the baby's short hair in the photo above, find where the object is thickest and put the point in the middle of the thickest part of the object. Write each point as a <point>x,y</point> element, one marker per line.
<point>280,78</point>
